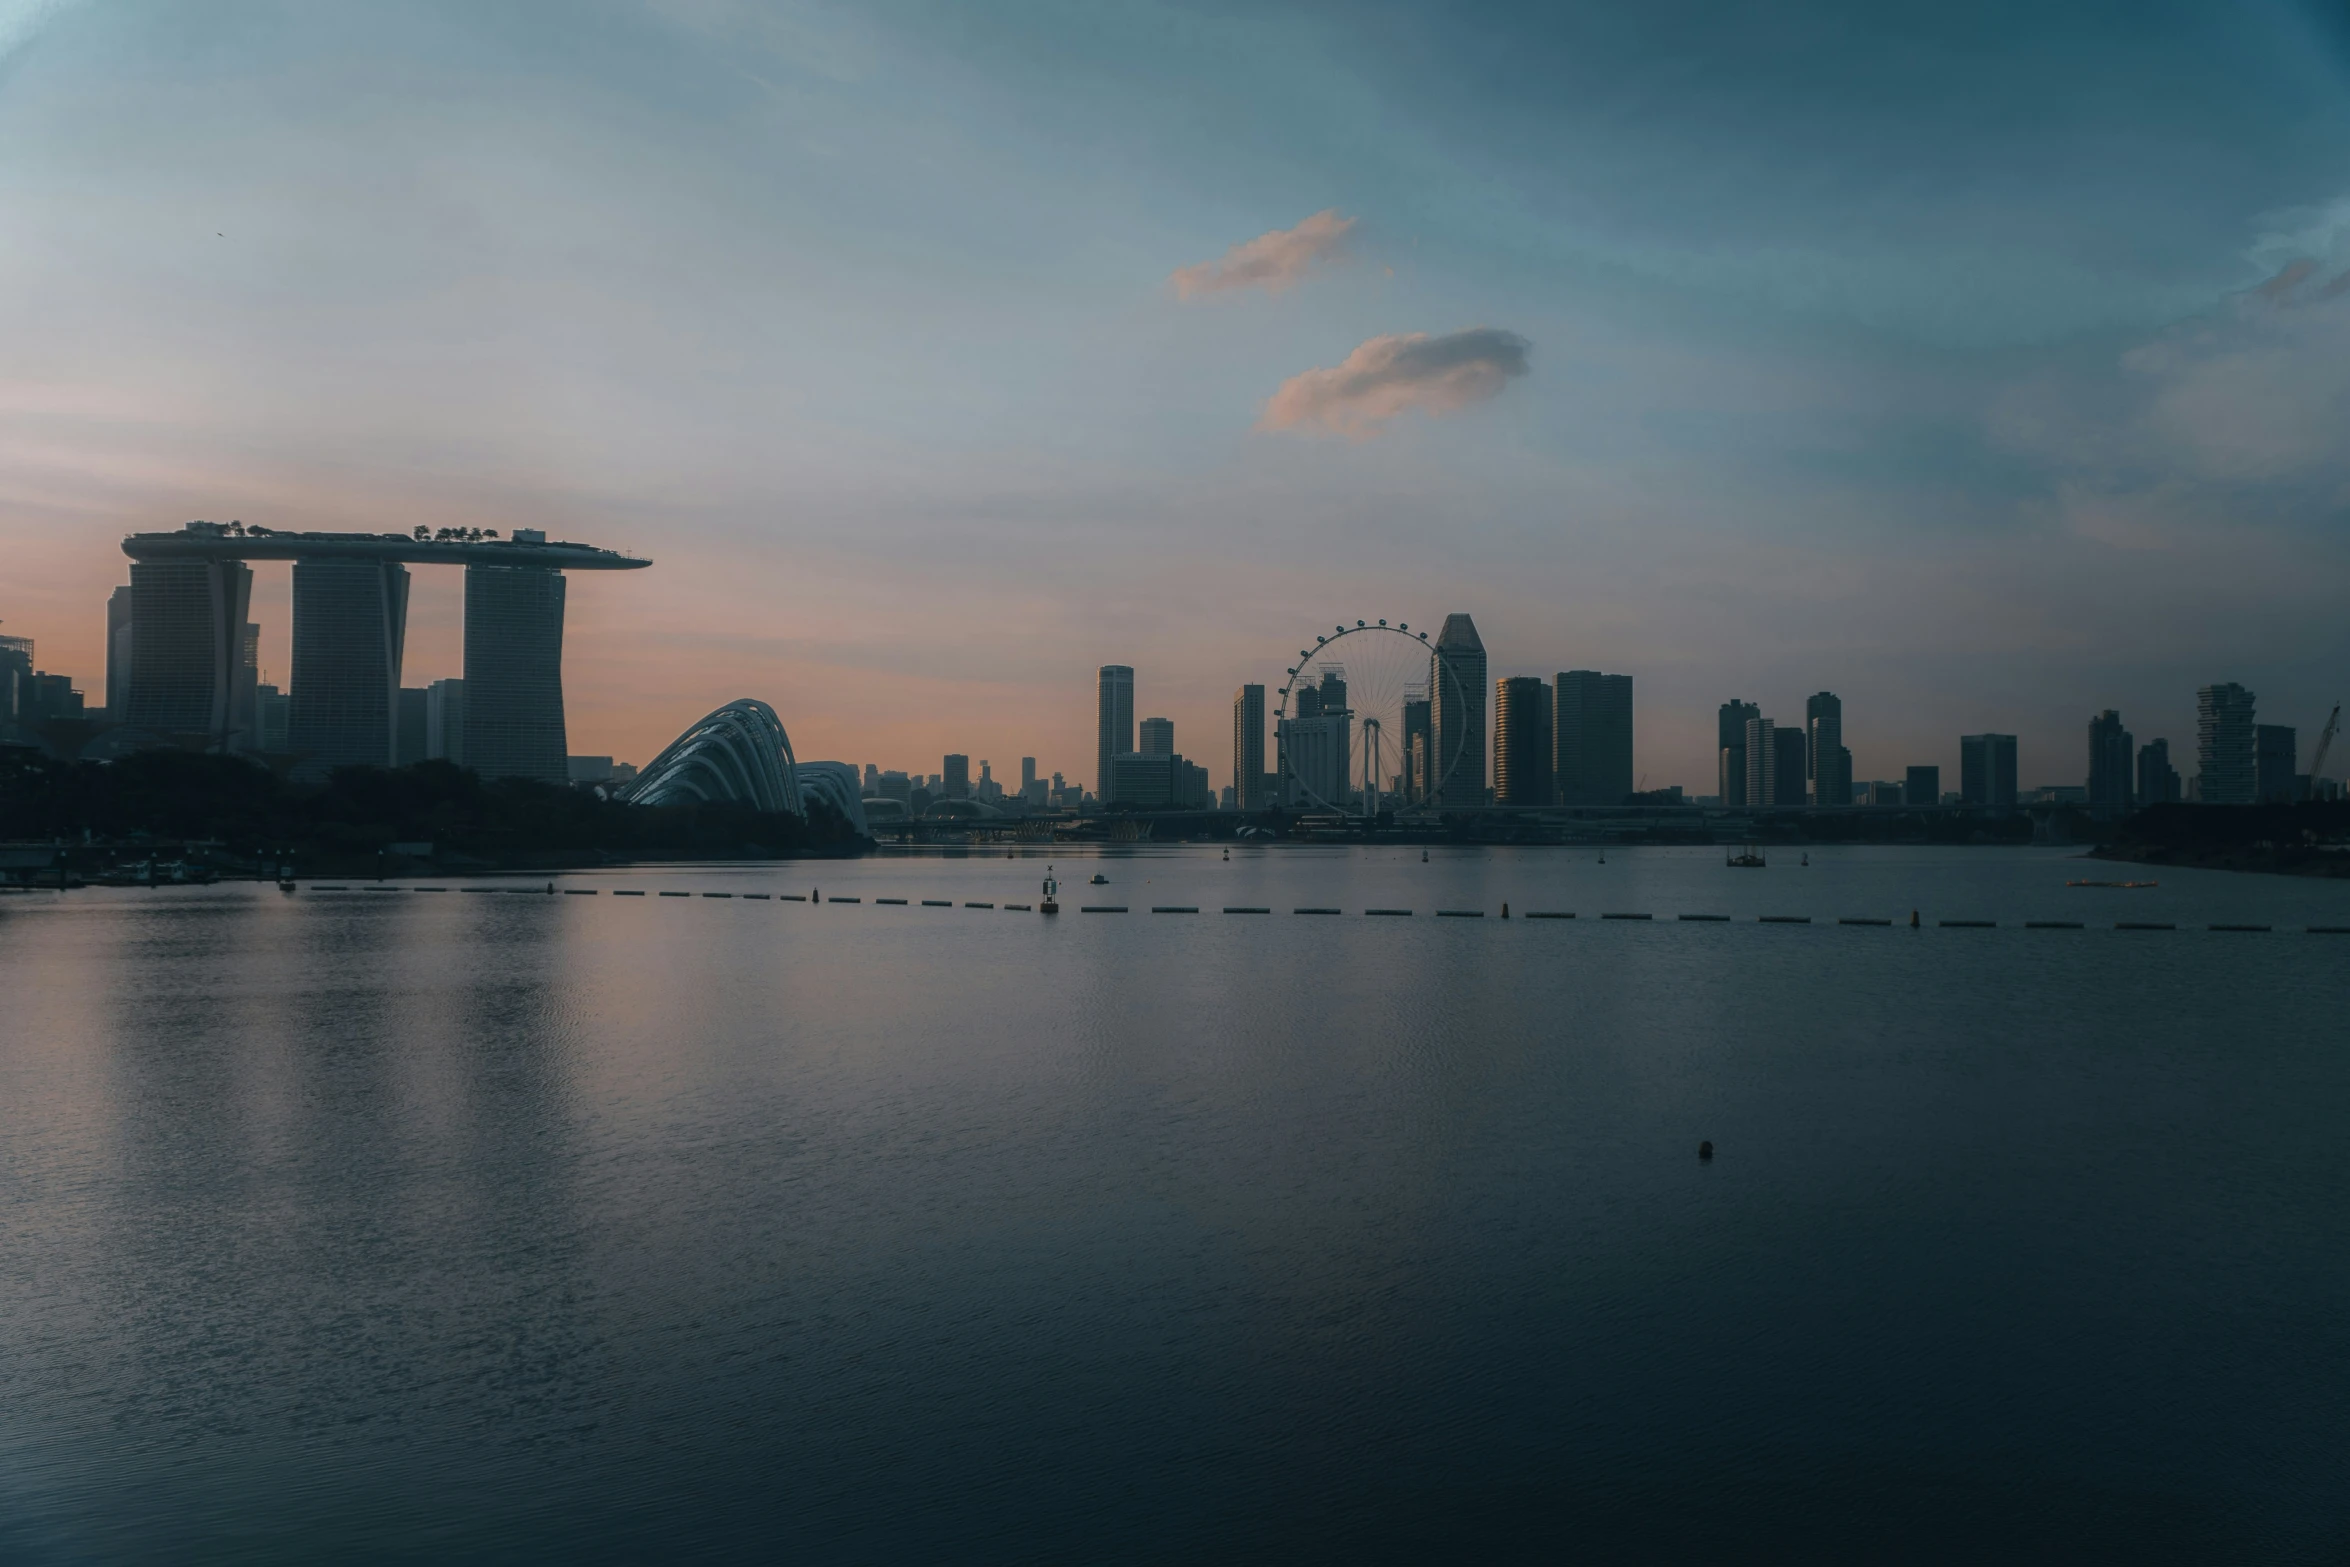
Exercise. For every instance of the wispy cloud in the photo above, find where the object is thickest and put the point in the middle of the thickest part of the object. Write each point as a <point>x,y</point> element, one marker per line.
<point>1272,261</point>
<point>1396,373</point>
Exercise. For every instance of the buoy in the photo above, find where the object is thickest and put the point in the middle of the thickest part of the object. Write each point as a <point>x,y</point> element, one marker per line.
<point>816,895</point>
<point>1705,1150</point>
<point>1505,911</point>
<point>1913,919</point>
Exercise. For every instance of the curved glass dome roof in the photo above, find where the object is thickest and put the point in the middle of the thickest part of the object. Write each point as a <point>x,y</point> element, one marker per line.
<point>738,753</point>
<point>838,785</point>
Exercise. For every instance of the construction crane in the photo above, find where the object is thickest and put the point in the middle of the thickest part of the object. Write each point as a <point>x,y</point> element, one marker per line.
<point>2325,737</point>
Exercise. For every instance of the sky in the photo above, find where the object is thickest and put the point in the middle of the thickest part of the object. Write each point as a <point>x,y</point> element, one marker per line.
<point>1988,365</point>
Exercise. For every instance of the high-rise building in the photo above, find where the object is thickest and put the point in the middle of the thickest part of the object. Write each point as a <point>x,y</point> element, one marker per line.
<point>444,721</point>
<point>1314,745</point>
<point>1419,744</point>
<point>513,672</point>
<point>118,652</point>
<point>1986,772</point>
<point>1027,775</point>
<point>1730,723</point>
<point>273,715</point>
<point>1761,751</point>
<point>1248,749</point>
<point>48,696</point>
<point>184,657</point>
<point>513,635</point>
<point>1788,786</point>
<point>1520,776</point>
<point>1456,690</point>
<point>2158,780</point>
<point>1113,722</point>
<point>1592,738</point>
<point>1827,764</point>
<point>2227,757</point>
<point>872,780</point>
<point>1922,786</point>
<point>16,675</point>
<point>243,686</point>
<point>350,629</point>
<point>409,749</point>
<point>2276,756</point>
<point>2109,761</point>
<point>955,777</point>
<point>1144,778</point>
<point>1158,737</point>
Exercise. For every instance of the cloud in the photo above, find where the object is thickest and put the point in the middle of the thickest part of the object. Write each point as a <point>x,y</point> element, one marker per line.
<point>1272,261</point>
<point>1395,373</point>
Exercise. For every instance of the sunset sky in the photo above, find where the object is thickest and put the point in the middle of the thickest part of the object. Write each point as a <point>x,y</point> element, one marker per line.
<point>1986,364</point>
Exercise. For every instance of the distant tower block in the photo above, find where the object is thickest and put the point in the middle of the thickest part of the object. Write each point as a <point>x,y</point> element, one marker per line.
<point>189,620</point>
<point>350,630</point>
<point>514,673</point>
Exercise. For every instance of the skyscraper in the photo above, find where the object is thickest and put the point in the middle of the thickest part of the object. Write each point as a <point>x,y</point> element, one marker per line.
<point>350,629</point>
<point>118,652</point>
<point>444,721</point>
<point>244,728</point>
<point>1826,762</point>
<point>955,776</point>
<point>513,673</point>
<point>1418,746</point>
<point>2276,757</point>
<point>1761,750</point>
<point>1519,774</point>
<point>1730,723</point>
<point>2109,761</point>
<point>1788,786</point>
<point>1315,744</point>
<point>1248,749</point>
<point>1027,776</point>
<point>2227,762</point>
<point>1592,738</point>
<point>189,617</point>
<point>1113,723</point>
<point>2158,780</point>
<point>273,713</point>
<point>411,724</point>
<point>1986,771</point>
<point>1158,737</point>
<point>1456,688</point>
<point>16,676</point>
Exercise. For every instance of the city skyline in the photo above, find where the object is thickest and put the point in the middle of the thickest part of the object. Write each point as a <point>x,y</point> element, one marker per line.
<point>2254,761</point>
<point>2033,439</point>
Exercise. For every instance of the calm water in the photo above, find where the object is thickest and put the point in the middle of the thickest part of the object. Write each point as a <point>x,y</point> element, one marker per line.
<point>453,1225</point>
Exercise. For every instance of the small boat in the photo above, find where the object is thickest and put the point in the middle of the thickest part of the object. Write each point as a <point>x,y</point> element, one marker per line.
<point>1050,903</point>
<point>2113,884</point>
<point>1099,880</point>
<point>1746,860</point>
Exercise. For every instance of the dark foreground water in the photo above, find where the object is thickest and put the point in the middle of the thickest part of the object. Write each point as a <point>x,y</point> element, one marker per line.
<point>445,1225</point>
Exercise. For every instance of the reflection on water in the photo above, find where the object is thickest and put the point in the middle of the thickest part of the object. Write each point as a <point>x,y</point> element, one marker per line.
<point>475,1224</point>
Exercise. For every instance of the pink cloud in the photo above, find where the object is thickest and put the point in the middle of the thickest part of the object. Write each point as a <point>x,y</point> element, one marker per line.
<point>1396,373</point>
<point>1272,261</point>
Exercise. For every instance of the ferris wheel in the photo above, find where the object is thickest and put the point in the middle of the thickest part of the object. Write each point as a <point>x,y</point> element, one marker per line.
<point>1356,721</point>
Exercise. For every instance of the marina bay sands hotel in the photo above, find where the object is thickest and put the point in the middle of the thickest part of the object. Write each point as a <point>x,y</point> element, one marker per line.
<point>191,650</point>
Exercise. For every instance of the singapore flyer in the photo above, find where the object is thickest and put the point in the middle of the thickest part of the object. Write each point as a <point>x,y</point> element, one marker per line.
<point>1354,724</point>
